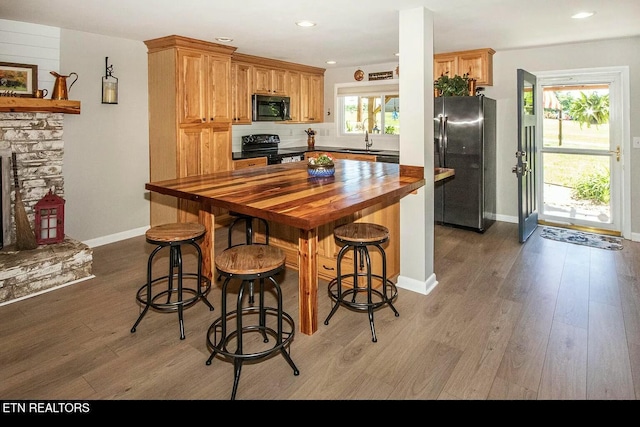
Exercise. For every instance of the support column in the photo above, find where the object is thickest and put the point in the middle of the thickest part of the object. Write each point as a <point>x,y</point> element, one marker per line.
<point>416,148</point>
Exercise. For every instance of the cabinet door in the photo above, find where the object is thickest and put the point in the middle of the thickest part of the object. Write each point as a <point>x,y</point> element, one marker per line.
<point>479,65</point>
<point>445,65</point>
<point>202,150</point>
<point>241,88</point>
<point>316,99</point>
<point>191,87</point>
<point>278,82</point>
<point>218,89</point>
<point>293,91</point>
<point>311,98</point>
<point>220,154</point>
<point>262,80</point>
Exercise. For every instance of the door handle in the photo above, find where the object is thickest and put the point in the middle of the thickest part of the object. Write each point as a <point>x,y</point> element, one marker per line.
<point>617,153</point>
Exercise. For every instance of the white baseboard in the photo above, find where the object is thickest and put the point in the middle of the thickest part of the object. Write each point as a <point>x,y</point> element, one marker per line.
<point>105,240</point>
<point>416,285</point>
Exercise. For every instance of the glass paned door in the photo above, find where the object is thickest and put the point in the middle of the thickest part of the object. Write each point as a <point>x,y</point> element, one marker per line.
<point>580,158</point>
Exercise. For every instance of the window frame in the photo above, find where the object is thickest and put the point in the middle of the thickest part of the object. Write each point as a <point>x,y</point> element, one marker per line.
<point>378,89</point>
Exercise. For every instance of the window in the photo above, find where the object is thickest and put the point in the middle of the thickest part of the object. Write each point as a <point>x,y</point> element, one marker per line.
<point>371,108</point>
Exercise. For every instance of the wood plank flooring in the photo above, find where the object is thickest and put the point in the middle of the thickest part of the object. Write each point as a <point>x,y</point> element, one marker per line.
<point>543,320</point>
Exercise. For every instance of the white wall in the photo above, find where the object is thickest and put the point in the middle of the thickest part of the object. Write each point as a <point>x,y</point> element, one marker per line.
<point>106,162</point>
<point>621,52</point>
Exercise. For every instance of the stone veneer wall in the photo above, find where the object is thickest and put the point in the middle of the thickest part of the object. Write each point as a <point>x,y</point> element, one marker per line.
<point>37,140</point>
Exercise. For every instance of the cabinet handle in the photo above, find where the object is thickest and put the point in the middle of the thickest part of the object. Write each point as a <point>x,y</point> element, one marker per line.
<point>327,268</point>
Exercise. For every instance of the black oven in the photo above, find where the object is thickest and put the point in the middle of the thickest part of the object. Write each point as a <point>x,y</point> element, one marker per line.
<point>270,108</point>
<point>266,145</point>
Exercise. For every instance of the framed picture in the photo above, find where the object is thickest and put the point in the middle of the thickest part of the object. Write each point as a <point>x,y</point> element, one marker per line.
<point>18,79</point>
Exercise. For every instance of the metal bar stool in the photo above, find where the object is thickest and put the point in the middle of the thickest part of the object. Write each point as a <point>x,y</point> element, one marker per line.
<point>249,236</point>
<point>248,220</point>
<point>176,297</point>
<point>359,236</point>
<point>249,263</point>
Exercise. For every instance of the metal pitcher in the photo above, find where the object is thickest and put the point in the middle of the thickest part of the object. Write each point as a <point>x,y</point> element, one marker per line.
<point>60,90</point>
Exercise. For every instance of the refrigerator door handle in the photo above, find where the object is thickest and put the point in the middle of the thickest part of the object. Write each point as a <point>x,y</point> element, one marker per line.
<point>439,142</point>
<point>445,140</point>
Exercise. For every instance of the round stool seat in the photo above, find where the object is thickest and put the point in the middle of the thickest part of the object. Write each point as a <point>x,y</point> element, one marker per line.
<point>174,233</point>
<point>248,260</point>
<point>360,232</point>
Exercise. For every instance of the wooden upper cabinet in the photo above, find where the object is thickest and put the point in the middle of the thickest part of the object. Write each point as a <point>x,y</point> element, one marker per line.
<point>477,63</point>
<point>241,92</point>
<point>203,87</point>
<point>269,81</point>
<point>292,87</point>
<point>303,84</point>
<point>311,98</point>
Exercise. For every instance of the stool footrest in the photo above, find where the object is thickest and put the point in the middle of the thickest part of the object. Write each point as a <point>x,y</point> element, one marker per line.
<point>170,305</point>
<point>220,343</point>
<point>347,295</point>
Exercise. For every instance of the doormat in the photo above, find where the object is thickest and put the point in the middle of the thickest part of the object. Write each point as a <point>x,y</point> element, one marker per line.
<point>582,238</point>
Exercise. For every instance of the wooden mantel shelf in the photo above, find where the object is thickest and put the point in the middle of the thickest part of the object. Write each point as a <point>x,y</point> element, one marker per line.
<point>9,104</point>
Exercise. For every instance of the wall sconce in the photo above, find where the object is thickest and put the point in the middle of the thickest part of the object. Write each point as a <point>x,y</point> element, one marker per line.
<point>109,84</point>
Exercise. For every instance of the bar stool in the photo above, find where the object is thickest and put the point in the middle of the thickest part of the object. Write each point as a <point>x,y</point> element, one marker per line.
<point>359,236</point>
<point>176,297</point>
<point>248,221</point>
<point>249,235</point>
<point>249,263</point>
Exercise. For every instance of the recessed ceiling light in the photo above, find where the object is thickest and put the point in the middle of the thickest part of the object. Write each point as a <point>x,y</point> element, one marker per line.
<point>582,15</point>
<point>331,62</point>
<point>224,39</point>
<point>305,24</point>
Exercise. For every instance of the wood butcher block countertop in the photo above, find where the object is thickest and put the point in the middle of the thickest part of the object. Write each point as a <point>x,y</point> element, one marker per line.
<point>442,173</point>
<point>285,193</point>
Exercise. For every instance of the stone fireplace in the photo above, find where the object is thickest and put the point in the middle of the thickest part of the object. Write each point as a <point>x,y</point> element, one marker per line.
<point>36,138</point>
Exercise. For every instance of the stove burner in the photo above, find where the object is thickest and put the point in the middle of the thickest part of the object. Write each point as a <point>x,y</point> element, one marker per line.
<point>260,142</point>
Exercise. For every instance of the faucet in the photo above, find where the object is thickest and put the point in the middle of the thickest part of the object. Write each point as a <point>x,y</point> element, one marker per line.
<point>367,144</point>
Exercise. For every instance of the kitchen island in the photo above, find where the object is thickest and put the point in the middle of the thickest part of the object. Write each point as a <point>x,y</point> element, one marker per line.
<point>285,194</point>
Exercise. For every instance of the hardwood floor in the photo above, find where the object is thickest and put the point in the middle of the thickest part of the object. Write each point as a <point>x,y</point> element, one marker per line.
<point>543,320</point>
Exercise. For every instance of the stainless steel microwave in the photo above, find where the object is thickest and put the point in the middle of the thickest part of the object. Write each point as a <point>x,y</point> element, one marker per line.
<point>271,108</point>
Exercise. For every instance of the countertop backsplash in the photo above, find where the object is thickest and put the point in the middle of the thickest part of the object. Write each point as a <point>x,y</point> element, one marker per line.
<point>293,135</point>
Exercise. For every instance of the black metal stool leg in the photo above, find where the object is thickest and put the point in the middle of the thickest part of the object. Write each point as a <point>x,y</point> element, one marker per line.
<point>369,294</point>
<point>283,351</point>
<point>149,282</point>
<point>338,280</point>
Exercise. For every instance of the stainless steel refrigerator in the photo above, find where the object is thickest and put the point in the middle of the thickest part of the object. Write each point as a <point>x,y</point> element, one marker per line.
<point>465,140</point>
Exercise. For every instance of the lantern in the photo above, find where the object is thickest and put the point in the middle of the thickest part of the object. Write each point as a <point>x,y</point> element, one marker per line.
<point>49,219</point>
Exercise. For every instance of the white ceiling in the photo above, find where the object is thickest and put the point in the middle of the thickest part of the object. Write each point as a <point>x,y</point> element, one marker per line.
<point>351,32</point>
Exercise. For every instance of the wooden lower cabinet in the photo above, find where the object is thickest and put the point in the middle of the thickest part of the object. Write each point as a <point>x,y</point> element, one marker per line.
<point>286,238</point>
<point>202,150</point>
<point>249,163</point>
<point>347,156</point>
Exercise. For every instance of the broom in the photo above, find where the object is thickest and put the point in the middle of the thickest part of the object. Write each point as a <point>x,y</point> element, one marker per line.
<point>25,239</point>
